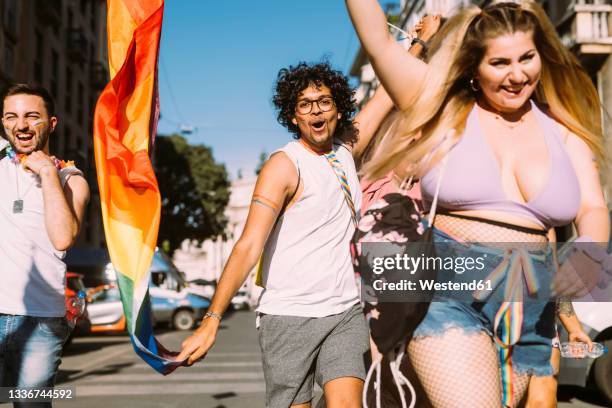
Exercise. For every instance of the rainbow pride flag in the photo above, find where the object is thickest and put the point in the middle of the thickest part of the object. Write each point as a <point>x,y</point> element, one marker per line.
<point>125,123</point>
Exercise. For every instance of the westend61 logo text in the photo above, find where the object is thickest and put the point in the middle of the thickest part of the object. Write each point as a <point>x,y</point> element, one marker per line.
<point>412,264</point>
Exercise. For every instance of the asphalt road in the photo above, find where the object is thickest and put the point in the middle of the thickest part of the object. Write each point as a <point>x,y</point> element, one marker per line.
<point>106,373</point>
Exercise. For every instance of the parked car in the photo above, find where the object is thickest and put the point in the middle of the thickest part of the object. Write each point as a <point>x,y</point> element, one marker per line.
<point>240,301</point>
<point>171,299</point>
<point>106,309</point>
<point>171,302</point>
<point>203,287</point>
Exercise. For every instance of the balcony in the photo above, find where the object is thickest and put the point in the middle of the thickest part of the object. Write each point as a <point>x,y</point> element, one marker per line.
<point>76,46</point>
<point>49,11</point>
<point>99,76</point>
<point>586,29</point>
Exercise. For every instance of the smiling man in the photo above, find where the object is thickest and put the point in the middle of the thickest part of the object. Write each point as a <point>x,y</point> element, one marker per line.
<point>41,209</point>
<point>301,220</point>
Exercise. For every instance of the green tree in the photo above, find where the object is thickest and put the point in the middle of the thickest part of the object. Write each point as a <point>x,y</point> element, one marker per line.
<point>263,156</point>
<point>194,190</point>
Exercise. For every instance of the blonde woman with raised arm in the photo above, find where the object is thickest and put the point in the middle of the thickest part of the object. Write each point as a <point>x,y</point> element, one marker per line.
<point>514,125</point>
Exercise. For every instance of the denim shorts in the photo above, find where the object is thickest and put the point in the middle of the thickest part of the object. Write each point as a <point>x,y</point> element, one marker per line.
<point>531,354</point>
<point>31,350</point>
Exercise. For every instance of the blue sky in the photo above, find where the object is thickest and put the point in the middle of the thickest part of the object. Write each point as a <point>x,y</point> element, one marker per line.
<point>219,60</point>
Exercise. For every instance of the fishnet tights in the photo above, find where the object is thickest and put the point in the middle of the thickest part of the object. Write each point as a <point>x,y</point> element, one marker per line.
<point>461,370</point>
<point>475,231</point>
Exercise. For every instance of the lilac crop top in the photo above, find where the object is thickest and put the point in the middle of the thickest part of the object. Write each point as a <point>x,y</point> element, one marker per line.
<point>472,179</point>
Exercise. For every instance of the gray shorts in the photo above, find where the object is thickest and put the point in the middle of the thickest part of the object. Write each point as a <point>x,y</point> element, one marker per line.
<point>297,350</point>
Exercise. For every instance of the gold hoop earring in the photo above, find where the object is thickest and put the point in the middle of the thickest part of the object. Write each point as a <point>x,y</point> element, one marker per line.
<point>474,85</point>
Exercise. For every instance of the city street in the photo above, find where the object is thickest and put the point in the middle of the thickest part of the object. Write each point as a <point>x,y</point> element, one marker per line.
<point>107,373</point>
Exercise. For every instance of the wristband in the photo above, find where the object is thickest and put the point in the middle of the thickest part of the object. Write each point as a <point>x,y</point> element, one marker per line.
<point>417,40</point>
<point>213,315</point>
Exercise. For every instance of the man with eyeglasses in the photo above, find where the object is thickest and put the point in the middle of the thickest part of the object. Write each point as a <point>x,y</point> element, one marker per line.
<point>41,209</point>
<point>302,217</point>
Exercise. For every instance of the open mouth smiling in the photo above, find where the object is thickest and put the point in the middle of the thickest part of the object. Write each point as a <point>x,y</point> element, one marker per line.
<point>514,90</point>
<point>24,137</point>
<point>318,125</point>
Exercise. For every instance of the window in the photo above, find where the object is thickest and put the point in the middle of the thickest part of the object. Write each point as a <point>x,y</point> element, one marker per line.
<point>10,17</point>
<point>90,116</point>
<point>93,18</point>
<point>9,59</point>
<point>84,5</point>
<point>67,142</point>
<point>80,104</point>
<point>54,141</point>
<point>57,5</point>
<point>69,90</point>
<point>79,145</point>
<point>54,73</point>
<point>40,49</point>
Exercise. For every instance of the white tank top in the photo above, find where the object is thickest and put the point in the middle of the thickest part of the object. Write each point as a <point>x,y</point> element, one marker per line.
<point>33,275</point>
<point>307,269</point>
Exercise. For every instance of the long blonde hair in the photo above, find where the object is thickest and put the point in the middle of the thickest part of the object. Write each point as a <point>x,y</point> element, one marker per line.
<point>446,98</point>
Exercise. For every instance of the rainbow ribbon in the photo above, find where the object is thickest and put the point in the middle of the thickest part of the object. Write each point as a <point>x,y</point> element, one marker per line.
<point>344,185</point>
<point>516,266</point>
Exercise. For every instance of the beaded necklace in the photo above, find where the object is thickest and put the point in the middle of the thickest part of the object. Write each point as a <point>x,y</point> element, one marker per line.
<point>19,159</point>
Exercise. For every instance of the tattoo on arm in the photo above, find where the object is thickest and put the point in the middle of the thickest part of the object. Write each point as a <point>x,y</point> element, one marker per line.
<point>257,199</point>
<point>565,307</point>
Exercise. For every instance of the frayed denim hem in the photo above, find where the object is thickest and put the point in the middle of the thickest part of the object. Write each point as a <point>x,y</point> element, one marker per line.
<point>424,332</point>
<point>520,369</point>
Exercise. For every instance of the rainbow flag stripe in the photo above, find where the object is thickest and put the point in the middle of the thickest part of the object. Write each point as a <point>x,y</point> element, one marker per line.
<point>125,123</point>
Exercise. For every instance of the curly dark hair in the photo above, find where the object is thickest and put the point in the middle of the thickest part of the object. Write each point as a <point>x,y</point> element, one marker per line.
<point>293,80</point>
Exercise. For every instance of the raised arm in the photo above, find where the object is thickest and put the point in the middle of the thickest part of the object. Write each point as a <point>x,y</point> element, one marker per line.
<point>399,72</point>
<point>276,183</point>
<point>371,116</point>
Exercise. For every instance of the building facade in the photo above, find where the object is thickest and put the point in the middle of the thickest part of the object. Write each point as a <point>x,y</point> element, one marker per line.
<point>206,261</point>
<point>583,25</point>
<point>61,45</point>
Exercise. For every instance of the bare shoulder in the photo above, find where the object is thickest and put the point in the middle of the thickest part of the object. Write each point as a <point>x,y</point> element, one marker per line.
<point>78,187</point>
<point>575,145</point>
<point>279,171</point>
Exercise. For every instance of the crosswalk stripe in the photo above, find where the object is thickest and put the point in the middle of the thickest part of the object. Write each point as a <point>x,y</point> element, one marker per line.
<point>176,388</point>
<point>232,354</point>
<point>177,376</point>
<point>207,364</point>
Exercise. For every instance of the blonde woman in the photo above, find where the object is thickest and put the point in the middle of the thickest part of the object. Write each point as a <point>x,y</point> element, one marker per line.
<point>518,124</point>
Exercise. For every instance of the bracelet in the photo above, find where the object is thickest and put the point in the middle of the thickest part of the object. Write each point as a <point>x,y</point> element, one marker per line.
<point>213,315</point>
<point>417,40</point>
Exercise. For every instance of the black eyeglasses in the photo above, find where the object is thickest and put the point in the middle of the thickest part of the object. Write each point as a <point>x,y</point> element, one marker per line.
<point>325,104</point>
